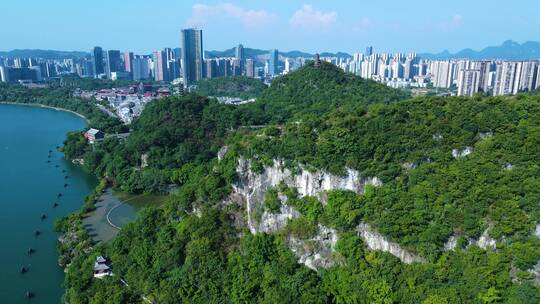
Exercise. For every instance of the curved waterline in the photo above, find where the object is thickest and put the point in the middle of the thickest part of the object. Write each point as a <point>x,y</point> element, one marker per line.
<point>39,105</point>
<point>115,207</point>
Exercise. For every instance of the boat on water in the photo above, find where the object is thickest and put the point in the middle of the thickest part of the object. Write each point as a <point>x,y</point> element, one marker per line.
<point>37,233</point>
<point>30,251</point>
<point>43,216</point>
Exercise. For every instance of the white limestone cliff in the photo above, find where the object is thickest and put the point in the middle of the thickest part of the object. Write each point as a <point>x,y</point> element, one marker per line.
<point>251,188</point>
<point>376,241</point>
<point>316,253</point>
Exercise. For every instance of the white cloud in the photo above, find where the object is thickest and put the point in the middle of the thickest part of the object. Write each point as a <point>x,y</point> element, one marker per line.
<point>456,20</point>
<point>203,15</point>
<point>309,19</point>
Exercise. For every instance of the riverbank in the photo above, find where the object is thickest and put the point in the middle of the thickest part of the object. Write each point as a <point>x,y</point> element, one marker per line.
<point>113,210</point>
<point>97,224</point>
<point>39,105</point>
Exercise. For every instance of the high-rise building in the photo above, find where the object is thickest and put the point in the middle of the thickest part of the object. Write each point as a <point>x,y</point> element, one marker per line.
<point>442,73</point>
<point>241,58</point>
<point>468,82</point>
<point>114,62</point>
<point>369,51</point>
<point>273,63</point>
<point>211,68</point>
<point>250,68</point>
<point>128,61</point>
<point>98,61</point>
<point>527,79</point>
<point>161,72</point>
<point>192,56</point>
<point>505,78</point>
<point>141,68</point>
<point>537,78</point>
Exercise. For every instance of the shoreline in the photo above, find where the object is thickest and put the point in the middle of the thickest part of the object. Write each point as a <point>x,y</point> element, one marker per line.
<point>39,105</point>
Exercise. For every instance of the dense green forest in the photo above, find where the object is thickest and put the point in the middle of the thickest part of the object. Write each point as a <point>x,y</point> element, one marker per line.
<point>197,249</point>
<point>232,86</point>
<point>316,90</point>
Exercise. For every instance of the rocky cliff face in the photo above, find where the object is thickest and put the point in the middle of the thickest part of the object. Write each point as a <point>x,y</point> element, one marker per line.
<point>376,241</point>
<point>316,252</point>
<point>253,186</point>
<point>485,241</point>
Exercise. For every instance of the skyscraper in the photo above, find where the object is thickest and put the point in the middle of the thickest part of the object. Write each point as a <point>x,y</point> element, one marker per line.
<point>114,62</point>
<point>369,51</point>
<point>250,68</point>
<point>505,79</point>
<point>192,56</point>
<point>159,65</point>
<point>141,68</point>
<point>98,61</point>
<point>128,61</point>
<point>468,82</point>
<point>240,57</point>
<point>273,63</point>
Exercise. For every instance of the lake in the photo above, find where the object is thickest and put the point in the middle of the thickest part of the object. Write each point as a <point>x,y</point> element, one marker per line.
<point>29,186</point>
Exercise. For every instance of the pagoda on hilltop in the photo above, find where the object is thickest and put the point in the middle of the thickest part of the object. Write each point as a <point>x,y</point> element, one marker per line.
<point>317,60</point>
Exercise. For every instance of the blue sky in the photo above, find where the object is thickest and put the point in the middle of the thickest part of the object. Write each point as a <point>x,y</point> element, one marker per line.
<point>317,25</point>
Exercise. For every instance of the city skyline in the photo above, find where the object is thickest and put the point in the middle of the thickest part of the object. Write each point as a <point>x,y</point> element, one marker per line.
<point>287,25</point>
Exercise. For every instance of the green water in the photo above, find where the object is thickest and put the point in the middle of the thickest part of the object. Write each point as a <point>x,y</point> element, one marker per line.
<point>28,188</point>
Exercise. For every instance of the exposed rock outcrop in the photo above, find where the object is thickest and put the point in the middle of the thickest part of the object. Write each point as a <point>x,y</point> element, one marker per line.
<point>316,253</point>
<point>456,153</point>
<point>221,153</point>
<point>485,135</point>
<point>376,241</point>
<point>451,243</point>
<point>535,271</point>
<point>250,191</point>
<point>274,222</point>
<point>485,241</point>
<point>252,186</point>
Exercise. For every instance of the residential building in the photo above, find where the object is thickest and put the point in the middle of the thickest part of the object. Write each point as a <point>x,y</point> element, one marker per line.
<point>468,82</point>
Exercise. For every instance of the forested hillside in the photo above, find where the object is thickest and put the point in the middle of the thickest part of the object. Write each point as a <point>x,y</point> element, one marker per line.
<point>232,86</point>
<point>453,182</point>
<point>316,90</point>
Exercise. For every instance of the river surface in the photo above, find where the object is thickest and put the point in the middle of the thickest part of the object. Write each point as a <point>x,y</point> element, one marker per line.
<point>29,186</point>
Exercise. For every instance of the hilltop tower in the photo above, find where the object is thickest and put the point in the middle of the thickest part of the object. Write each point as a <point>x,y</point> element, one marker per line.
<point>317,60</point>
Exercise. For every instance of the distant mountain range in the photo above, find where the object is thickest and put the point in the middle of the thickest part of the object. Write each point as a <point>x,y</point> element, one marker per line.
<point>509,50</point>
<point>257,53</point>
<point>45,54</point>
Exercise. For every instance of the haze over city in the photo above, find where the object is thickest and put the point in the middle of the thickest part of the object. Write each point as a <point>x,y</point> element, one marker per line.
<point>391,26</point>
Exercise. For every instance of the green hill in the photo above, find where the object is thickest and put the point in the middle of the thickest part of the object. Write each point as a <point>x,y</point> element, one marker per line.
<point>316,90</point>
<point>197,248</point>
<point>237,86</point>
